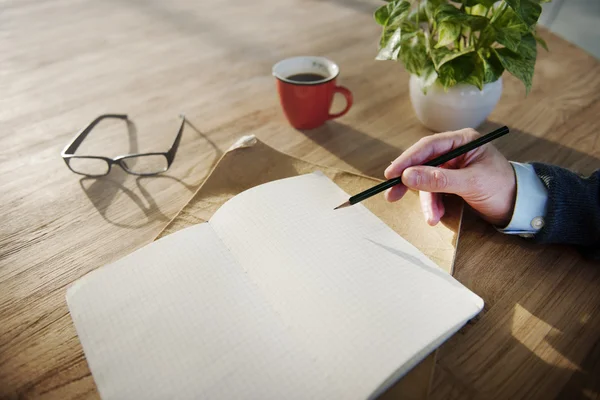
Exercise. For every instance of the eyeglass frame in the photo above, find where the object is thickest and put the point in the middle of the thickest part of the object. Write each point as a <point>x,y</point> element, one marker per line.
<point>68,152</point>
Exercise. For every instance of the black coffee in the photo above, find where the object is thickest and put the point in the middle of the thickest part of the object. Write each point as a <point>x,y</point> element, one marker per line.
<point>306,77</point>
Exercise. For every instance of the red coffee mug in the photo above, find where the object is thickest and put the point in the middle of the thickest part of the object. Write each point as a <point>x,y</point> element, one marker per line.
<point>306,86</point>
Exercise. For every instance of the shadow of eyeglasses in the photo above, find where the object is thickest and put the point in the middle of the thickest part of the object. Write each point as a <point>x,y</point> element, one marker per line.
<point>102,191</point>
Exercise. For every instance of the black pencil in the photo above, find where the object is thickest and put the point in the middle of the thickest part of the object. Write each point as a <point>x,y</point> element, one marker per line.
<point>432,163</point>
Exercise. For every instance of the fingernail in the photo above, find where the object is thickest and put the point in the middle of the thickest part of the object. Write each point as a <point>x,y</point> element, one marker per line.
<point>388,169</point>
<point>411,177</point>
<point>428,216</point>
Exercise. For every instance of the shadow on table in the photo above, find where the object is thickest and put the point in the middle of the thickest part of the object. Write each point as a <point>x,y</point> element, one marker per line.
<point>539,332</point>
<point>369,155</point>
<point>538,335</point>
<point>217,150</point>
<point>525,147</point>
<point>103,191</point>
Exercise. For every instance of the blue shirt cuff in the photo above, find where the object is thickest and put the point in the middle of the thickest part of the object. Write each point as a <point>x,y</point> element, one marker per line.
<point>530,203</point>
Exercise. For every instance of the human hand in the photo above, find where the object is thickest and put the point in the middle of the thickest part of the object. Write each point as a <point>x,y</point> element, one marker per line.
<point>482,177</point>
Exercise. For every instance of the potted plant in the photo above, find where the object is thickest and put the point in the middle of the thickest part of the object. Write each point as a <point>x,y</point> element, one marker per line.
<point>456,53</point>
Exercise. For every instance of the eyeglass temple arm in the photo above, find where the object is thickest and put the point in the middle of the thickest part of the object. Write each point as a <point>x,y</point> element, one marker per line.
<point>173,149</point>
<point>79,138</point>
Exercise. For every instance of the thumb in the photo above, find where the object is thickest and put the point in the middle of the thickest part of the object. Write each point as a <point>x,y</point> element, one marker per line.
<point>435,180</point>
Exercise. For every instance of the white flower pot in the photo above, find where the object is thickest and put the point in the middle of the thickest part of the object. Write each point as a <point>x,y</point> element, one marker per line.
<point>462,106</point>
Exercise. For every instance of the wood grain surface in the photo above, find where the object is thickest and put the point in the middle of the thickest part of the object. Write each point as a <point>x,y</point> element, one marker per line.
<point>64,62</point>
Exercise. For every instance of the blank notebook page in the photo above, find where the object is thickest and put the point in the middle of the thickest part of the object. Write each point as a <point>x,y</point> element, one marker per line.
<point>278,296</point>
<point>178,319</point>
<point>365,304</point>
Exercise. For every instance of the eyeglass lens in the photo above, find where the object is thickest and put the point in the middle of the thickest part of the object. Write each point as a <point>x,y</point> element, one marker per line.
<point>89,165</point>
<point>145,164</point>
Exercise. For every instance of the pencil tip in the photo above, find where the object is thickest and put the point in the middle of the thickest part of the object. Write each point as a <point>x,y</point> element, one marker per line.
<point>346,204</point>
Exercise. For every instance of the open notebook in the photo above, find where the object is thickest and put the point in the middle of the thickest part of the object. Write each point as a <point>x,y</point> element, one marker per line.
<point>277,296</point>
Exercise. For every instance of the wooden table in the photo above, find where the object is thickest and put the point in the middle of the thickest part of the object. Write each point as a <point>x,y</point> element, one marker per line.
<point>65,62</point>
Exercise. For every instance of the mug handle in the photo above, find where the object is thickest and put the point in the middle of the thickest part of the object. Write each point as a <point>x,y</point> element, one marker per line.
<point>348,95</point>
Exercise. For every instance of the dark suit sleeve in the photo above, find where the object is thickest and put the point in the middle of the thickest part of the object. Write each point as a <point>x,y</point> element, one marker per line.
<point>573,209</point>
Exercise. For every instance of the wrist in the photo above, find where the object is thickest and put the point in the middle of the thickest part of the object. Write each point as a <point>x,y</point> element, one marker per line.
<point>509,201</point>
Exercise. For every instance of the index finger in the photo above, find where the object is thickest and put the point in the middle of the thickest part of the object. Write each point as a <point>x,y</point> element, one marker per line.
<point>428,148</point>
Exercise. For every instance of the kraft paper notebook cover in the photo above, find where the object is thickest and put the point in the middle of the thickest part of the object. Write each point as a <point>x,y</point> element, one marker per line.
<point>250,162</point>
<point>276,296</point>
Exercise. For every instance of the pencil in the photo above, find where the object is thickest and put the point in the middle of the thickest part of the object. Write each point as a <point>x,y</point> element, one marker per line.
<point>459,151</point>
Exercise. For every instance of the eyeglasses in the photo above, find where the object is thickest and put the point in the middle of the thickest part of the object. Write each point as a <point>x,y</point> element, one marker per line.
<point>136,164</point>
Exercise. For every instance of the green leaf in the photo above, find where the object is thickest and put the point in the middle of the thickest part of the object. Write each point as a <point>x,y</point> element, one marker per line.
<point>392,13</point>
<point>412,16</point>
<point>486,37</point>
<point>508,19</point>
<point>443,55</point>
<point>425,10</point>
<point>509,29</point>
<point>472,3</point>
<point>492,67</point>
<point>392,17</point>
<point>449,32</point>
<point>508,38</point>
<point>430,7</point>
<point>449,13</point>
<point>413,53</point>
<point>479,9</point>
<point>477,76</point>
<point>522,62</point>
<point>528,11</point>
<point>541,41</point>
<point>391,47</point>
<point>455,71</point>
<point>429,76</point>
